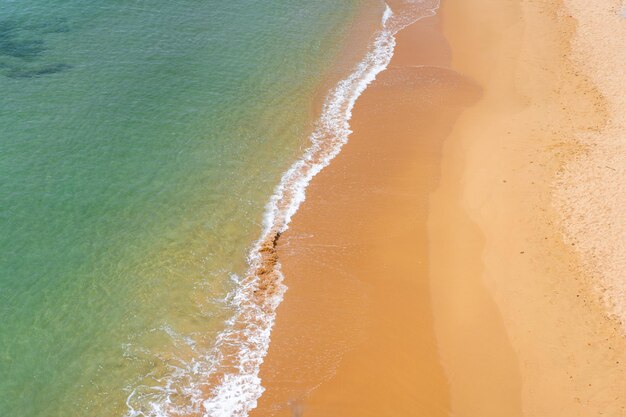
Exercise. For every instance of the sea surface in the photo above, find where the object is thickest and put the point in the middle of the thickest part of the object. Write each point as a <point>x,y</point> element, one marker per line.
<point>139,144</point>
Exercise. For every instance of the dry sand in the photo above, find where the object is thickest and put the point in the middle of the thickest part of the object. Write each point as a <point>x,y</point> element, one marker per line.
<point>591,190</point>
<point>500,167</point>
<point>429,270</point>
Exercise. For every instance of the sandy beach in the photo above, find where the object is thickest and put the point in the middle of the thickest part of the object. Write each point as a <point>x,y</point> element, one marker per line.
<point>447,261</point>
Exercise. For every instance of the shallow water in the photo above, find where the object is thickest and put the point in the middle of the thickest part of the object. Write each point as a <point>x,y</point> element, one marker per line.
<point>139,143</point>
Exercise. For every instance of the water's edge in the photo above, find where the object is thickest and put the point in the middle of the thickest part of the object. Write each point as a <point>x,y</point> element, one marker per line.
<point>232,368</point>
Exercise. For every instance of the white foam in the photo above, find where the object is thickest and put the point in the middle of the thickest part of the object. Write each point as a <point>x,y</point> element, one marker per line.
<point>235,361</point>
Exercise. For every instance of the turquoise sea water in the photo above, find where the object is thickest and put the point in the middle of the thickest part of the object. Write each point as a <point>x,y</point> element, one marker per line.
<point>139,143</point>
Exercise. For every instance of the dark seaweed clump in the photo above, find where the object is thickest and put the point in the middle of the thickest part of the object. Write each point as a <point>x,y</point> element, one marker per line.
<point>23,49</point>
<point>36,72</point>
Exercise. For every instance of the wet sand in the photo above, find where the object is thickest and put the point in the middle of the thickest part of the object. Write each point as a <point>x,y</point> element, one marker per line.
<point>356,322</point>
<point>428,271</point>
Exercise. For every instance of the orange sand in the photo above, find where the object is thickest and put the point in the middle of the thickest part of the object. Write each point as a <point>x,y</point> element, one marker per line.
<point>427,271</point>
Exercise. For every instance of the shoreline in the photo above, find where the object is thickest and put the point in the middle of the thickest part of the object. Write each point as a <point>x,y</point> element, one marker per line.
<point>241,347</point>
<point>427,270</point>
<point>320,320</point>
<point>339,303</point>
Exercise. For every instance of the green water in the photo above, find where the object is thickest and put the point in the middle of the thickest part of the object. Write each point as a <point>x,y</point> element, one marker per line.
<point>139,142</point>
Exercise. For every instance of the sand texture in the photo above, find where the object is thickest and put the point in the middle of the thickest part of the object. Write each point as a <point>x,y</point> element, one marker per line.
<point>591,191</point>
